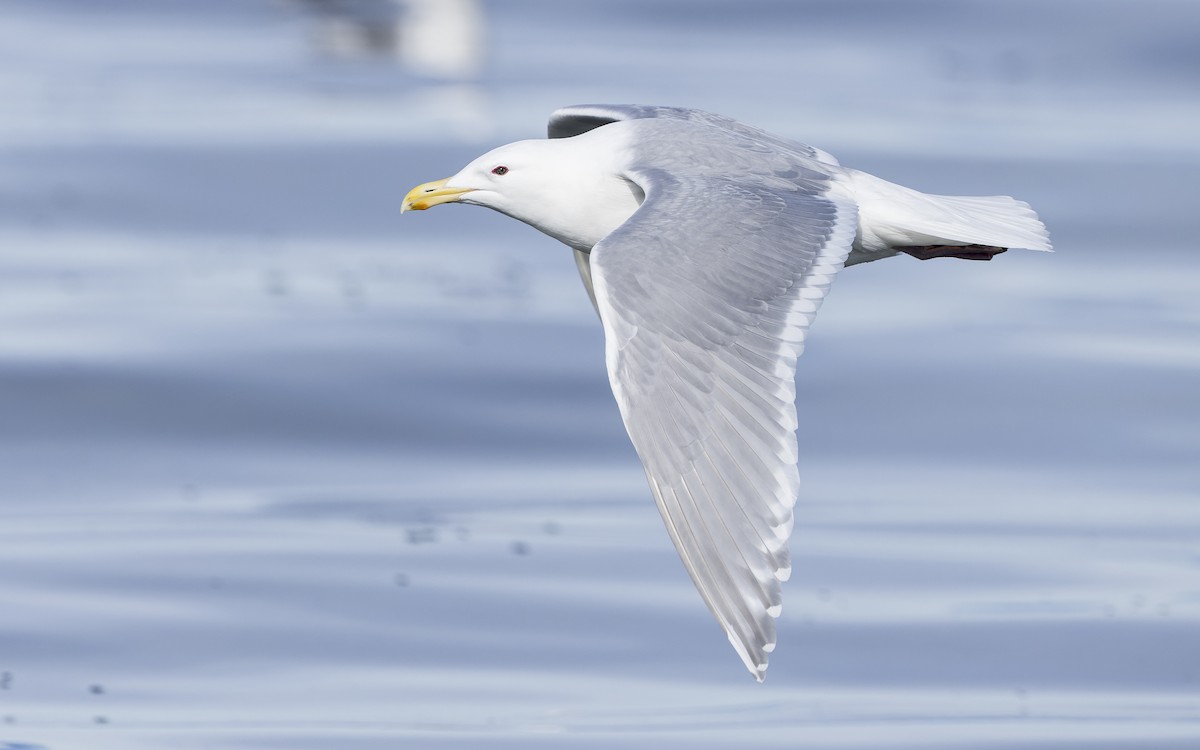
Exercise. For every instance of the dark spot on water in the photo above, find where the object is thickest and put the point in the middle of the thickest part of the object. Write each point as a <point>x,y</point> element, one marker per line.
<point>1022,701</point>
<point>275,283</point>
<point>101,720</point>
<point>21,746</point>
<point>422,535</point>
<point>520,548</point>
<point>70,281</point>
<point>96,690</point>
<point>400,579</point>
<point>6,680</point>
<point>353,292</point>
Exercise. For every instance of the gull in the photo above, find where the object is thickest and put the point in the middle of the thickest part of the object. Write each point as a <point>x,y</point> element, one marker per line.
<point>706,247</point>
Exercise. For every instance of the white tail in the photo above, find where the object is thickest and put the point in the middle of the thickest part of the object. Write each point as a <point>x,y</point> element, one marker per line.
<point>892,216</point>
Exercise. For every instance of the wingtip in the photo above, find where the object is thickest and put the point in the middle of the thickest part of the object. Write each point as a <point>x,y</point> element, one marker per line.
<point>752,661</point>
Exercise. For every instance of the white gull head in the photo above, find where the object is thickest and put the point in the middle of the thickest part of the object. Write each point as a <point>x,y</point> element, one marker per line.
<point>572,189</point>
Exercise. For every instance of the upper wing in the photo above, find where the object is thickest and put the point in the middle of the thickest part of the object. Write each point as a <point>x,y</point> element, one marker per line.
<point>705,295</point>
<point>580,118</point>
<point>571,121</point>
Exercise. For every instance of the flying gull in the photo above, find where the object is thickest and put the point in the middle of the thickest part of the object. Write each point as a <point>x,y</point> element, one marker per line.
<point>706,247</point>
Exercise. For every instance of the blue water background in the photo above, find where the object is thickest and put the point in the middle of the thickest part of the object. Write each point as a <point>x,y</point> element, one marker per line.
<point>280,468</point>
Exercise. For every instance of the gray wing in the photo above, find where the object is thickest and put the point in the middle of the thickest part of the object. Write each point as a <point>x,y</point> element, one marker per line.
<point>568,122</point>
<point>706,294</point>
<point>580,118</point>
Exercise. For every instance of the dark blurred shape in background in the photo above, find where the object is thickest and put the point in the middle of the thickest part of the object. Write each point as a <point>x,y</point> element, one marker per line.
<point>442,39</point>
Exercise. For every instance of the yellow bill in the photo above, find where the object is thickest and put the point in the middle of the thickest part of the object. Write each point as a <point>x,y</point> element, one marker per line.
<point>430,194</point>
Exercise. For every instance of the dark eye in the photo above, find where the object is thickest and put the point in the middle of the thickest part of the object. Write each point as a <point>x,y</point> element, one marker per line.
<point>500,170</point>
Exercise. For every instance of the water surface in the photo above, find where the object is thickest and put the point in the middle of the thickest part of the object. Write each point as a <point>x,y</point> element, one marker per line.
<point>280,469</point>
